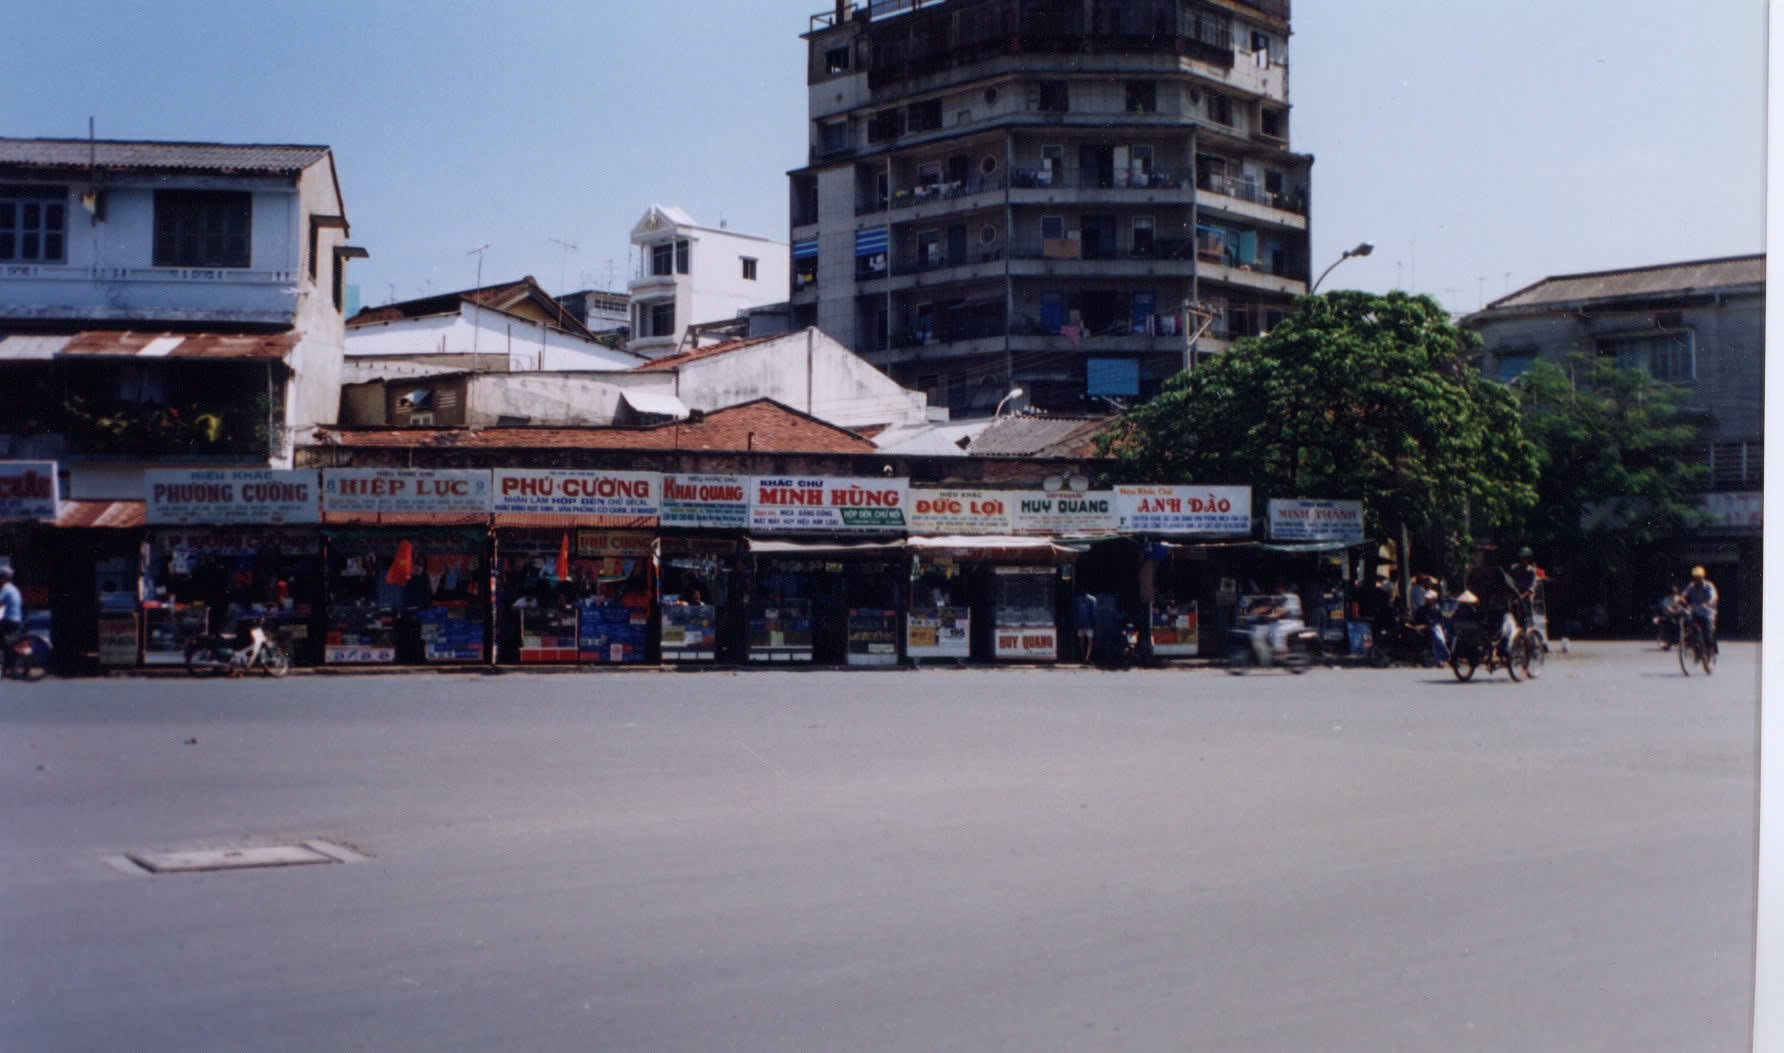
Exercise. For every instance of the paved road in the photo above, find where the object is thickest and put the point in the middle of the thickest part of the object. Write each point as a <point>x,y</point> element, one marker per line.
<point>923,861</point>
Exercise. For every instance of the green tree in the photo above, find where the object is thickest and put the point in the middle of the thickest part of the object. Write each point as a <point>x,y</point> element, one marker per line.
<point>1353,396</point>
<point>1612,448</point>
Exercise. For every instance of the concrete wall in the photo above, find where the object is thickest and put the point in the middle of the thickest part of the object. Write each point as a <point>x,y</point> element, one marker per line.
<point>313,395</point>
<point>477,330</point>
<point>808,371</point>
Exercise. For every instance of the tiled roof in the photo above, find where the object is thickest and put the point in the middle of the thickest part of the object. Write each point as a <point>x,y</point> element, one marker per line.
<point>109,514</point>
<point>1669,278</point>
<point>125,344</point>
<point>501,297</point>
<point>1033,435</point>
<point>682,358</point>
<point>208,157</point>
<point>762,425</point>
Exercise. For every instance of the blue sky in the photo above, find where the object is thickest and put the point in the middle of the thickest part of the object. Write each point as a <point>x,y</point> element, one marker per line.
<point>1478,146</point>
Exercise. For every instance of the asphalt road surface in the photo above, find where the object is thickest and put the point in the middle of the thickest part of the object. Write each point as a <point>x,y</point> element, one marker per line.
<point>923,861</point>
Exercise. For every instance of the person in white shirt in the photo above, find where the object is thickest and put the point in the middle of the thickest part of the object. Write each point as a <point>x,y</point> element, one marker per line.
<point>12,605</point>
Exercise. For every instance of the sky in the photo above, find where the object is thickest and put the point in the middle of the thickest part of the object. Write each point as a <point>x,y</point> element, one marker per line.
<point>1478,146</point>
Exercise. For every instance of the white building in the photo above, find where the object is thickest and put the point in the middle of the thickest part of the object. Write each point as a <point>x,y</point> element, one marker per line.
<point>685,273</point>
<point>511,327</point>
<point>167,304</point>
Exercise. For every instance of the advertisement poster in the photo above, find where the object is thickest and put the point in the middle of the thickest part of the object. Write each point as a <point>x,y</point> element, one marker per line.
<point>230,497</point>
<point>1032,642</point>
<point>798,504</point>
<point>371,491</point>
<point>579,493</point>
<point>938,632</point>
<point>716,502</point>
<point>1183,509</point>
<point>1301,519</point>
<point>1063,514</point>
<point>937,512</point>
<point>28,491</point>
<point>1176,630</point>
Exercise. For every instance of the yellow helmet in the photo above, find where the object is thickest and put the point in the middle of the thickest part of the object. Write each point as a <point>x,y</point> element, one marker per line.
<point>1697,572</point>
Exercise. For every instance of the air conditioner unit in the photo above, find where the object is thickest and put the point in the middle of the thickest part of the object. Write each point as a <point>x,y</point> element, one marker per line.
<point>421,420</point>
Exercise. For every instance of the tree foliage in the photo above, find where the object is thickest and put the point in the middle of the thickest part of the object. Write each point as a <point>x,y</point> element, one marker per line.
<point>1604,434</point>
<point>1355,395</point>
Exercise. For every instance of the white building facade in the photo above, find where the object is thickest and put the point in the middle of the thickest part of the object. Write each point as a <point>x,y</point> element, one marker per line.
<point>684,273</point>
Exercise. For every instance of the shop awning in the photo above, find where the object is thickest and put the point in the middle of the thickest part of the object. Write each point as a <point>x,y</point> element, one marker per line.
<point>761,546</point>
<point>566,521</point>
<point>655,403</point>
<point>406,519</point>
<point>991,545</point>
<point>1309,546</point>
<point>116,515</point>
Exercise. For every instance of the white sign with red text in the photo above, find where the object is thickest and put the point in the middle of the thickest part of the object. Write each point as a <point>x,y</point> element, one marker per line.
<point>386,491</point>
<point>1183,509</point>
<point>852,505</point>
<point>960,511</point>
<point>711,501</point>
<point>229,497</point>
<point>27,491</point>
<point>580,493</point>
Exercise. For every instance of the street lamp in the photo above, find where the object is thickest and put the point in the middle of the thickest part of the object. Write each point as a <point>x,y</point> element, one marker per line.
<point>1363,249</point>
<point>1015,393</point>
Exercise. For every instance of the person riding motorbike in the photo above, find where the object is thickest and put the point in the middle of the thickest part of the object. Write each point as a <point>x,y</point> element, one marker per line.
<point>1277,616</point>
<point>1702,600</point>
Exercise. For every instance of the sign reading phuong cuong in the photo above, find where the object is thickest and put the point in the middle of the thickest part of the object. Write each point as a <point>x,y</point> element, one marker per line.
<point>386,491</point>
<point>230,497</point>
<point>1183,509</point>
<point>1300,519</point>
<point>717,502</point>
<point>798,504</point>
<point>581,493</point>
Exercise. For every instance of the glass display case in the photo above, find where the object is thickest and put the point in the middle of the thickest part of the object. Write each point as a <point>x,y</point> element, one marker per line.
<point>1024,613</point>
<point>873,637</point>
<point>1176,629</point>
<point>781,633</point>
<point>169,627</point>
<point>360,634</point>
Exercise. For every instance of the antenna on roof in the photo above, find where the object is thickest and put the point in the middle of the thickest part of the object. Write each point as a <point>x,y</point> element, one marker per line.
<point>564,270</point>
<point>477,252</point>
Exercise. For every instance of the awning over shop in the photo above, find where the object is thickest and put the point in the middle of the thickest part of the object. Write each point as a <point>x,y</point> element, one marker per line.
<point>115,515</point>
<point>566,521</point>
<point>656,403</point>
<point>763,547</point>
<point>983,546</point>
<point>406,519</point>
<point>125,344</point>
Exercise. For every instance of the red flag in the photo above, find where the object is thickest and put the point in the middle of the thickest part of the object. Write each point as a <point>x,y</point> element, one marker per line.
<point>402,565</point>
<point>563,563</point>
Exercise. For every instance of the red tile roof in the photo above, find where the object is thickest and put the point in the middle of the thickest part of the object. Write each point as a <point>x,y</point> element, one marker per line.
<point>110,514</point>
<point>762,424</point>
<point>682,358</point>
<point>123,343</point>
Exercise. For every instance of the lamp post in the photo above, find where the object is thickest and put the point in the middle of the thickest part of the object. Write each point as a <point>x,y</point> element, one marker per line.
<point>1362,249</point>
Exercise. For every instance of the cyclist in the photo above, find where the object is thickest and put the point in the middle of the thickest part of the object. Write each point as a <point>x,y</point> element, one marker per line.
<point>1520,580</point>
<point>1702,600</point>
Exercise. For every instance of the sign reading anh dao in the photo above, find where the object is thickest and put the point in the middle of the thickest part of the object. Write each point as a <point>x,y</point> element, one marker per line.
<point>1063,514</point>
<point>960,511</point>
<point>230,497</point>
<point>711,501</point>
<point>453,491</point>
<point>794,504</point>
<point>1301,519</point>
<point>1183,509</point>
<point>27,491</point>
<point>581,493</point>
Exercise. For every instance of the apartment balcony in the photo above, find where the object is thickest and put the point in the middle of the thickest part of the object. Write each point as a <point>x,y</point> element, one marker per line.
<point>1077,258</point>
<point>936,199</point>
<point>1044,187</point>
<point>158,294</point>
<point>1243,198</point>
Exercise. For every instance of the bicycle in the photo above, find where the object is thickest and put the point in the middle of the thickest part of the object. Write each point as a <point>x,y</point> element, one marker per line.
<point>1693,647</point>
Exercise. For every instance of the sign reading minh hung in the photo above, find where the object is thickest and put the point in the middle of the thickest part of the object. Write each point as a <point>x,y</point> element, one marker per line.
<point>792,504</point>
<point>1302,519</point>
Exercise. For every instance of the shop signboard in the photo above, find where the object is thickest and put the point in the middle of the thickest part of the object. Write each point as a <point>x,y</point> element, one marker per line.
<point>793,504</point>
<point>938,512</point>
<point>27,491</point>
<point>604,544</point>
<point>388,491</point>
<point>1183,509</point>
<point>183,545</point>
<point>230,497</point>
<point>1176,629</point>
<point>1038,643</point>
<point>577,493</point>
<point>873,637</point>
<point>117,639</point>
<point>938,632</point>
<point>713,502</point>
<point>1062,514</point>
<point>1303,519</point>
<point>1733,510</point>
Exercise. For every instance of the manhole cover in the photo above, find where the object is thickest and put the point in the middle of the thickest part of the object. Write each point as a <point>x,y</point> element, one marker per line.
<point>230,858</point>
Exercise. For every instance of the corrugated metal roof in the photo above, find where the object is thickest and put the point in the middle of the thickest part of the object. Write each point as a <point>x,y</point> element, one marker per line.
<point>124,344</point>
<point>119,515</point>
<point>1032,436</point>
<point>658,403</point>
<point>1669,278</point>
<point>534,520</point>
<point>208,157</point>
<point>682,358</point>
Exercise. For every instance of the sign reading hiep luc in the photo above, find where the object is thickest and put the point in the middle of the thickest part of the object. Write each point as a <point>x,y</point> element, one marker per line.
<point>406,490</point>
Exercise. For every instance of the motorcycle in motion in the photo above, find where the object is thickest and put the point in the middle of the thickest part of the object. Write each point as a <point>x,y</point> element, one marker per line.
<point>1297,645</point>
<point>27,655</point>
<point>245,649</point>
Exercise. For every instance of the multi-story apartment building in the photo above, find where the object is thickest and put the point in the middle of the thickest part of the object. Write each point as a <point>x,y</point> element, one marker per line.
<point>1061,196</point>
<point>686,274</point>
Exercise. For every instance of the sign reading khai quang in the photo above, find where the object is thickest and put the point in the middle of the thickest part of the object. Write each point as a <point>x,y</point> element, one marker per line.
<point>717,502</point>
<point>960,511</point>
<point>27,491</point>
<point>581,493</point>
<point>230,497</point>
<point>385,491</point>
<point>857,505</point>
<point>1183,509</point>
<point>1302,519</point>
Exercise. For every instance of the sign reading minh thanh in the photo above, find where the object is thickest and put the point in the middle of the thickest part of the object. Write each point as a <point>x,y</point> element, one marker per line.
<point>1302,519</point>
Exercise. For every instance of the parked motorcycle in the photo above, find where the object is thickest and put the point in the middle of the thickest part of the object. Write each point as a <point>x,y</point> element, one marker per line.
<point>27,654</point>
<point>246,649</point>
<point>1401,642</point>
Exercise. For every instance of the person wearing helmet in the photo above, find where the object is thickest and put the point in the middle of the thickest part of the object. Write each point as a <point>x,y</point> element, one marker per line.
<point>1701,598</point>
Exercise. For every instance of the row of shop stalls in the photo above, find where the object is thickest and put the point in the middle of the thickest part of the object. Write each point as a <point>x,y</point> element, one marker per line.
<point>445,583</point>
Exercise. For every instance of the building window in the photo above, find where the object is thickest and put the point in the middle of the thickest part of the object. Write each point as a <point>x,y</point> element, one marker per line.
<point>1669,356</point>
<point>1510,365</point>
<point>1055,97</point>
<point>886,124</point>
<point>1142,96</point>
<point>833,137</point>
<point>929,249</point>
<point>662,319</point>
<point>681,257</point>
<point>836,60</point>
<point>203,228</point>
<point>1143,236</point>
<point>1272,123</point>
<point>662,260</point>
<point>33,223</point>
<point>925,116</point>
<point>1220,108</point>
<point>749,269</point>
<point>1052,227</point>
